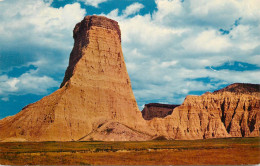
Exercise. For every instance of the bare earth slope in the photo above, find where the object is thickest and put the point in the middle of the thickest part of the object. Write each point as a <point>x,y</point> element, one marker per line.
<point>230,112</point>
<point>95,101</point>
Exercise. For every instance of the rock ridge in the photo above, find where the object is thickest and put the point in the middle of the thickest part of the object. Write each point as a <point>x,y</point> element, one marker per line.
<point>229,112</point>
<point>245,88</point>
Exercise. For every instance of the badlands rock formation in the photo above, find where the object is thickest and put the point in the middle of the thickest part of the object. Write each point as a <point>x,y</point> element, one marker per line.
<point>95,100</point>
<point>230,112</point>
<point>153,110</point>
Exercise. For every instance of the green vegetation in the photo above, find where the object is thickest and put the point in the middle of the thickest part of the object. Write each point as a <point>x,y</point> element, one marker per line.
<point>210,151</point>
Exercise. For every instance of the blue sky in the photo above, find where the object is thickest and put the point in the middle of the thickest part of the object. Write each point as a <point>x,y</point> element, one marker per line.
<point>172,48</point>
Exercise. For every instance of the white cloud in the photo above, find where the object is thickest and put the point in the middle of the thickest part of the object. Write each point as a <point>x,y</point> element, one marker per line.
<point>133,9</point>
<point>246,37</point>
<point>26,83</point>
<point>5,98</point>
<point>254,59</point>
<point>169,63</point>
<point>38,21</point>
<point>34,33</point>
<point>167,10</point>
<point>94,3</point>
<point>207,41</point>
<point>12,84</point>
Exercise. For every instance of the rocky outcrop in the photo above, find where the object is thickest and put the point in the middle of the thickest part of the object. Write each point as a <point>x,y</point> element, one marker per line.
<point>241,88</point>
<point>95,100</point>
<point>158,110</point>
<point>240,107</point>
<point>229,112</point>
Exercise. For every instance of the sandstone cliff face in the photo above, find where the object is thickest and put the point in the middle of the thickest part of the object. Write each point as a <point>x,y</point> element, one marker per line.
<point>225,113</point>
<point>153,110</point>
<point>95,101</point>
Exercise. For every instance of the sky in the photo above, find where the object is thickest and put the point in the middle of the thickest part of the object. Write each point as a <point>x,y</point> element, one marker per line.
<point>172,48</point>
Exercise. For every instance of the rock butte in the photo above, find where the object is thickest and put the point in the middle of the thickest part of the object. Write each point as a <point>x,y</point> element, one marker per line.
<point>153,110</point>
<point>95,101</point>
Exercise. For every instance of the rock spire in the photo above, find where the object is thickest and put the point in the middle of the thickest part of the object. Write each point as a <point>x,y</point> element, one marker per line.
<point>95,100</point>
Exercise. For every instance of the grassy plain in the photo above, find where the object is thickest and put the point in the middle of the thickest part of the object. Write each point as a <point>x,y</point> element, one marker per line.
<point>232,151</point>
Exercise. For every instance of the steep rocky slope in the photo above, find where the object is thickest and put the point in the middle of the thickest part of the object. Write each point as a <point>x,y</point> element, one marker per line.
<point>95,100</point>
<point>230,112</point>
<point>158,110</point>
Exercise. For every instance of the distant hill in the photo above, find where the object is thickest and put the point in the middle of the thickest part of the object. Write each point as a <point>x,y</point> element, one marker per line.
<point>240,88</point>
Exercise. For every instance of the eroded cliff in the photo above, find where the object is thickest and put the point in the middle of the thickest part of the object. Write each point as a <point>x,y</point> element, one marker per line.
<point>229,112</point>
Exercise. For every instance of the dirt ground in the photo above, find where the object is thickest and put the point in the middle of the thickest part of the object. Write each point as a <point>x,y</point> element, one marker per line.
<point>229,151</point>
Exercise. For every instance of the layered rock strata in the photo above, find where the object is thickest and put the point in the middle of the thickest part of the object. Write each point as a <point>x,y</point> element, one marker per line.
<point>230,112</point>
<point>95,100</point>
<point>158,110</point>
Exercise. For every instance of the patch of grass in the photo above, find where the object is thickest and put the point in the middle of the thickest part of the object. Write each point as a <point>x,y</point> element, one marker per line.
<point>210,151</point>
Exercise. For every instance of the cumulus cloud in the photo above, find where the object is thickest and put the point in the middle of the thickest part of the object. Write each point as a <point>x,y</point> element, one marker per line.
<point>133,9</point>
<point>94,3</point>
<point>173,51</point>
<point>207,41</point>
<point>26,83</point>
<point>34,33</point>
